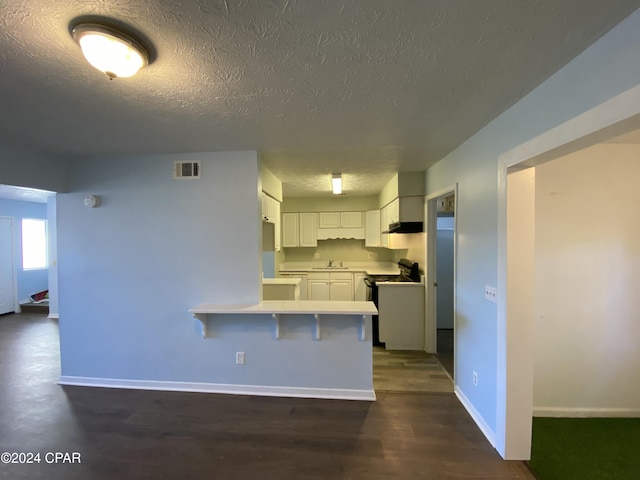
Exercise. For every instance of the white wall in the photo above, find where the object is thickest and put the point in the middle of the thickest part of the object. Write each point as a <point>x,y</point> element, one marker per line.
<point>606,69</point>
<point>587,357</point>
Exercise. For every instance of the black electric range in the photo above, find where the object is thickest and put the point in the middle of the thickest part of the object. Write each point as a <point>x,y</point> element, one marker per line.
<point>409,272</point>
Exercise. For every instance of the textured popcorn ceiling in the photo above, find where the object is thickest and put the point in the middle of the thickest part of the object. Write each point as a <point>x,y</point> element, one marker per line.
<point>363,87</point>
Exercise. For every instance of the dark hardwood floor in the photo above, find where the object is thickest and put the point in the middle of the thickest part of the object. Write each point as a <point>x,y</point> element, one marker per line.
<point>135,434</point>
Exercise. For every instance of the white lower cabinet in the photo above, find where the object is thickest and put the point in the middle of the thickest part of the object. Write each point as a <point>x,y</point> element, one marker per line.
<point>318,284</point>
<point>342,286</point>
<point>359,288</point>
<point>330,286</point>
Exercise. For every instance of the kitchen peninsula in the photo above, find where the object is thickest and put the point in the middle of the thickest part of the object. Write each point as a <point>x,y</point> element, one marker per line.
<point>296,348</point>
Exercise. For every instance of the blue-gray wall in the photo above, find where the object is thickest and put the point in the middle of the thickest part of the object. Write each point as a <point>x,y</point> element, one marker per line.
<point>608,68</point>
<point>28,281</point>
<point>130,270</point>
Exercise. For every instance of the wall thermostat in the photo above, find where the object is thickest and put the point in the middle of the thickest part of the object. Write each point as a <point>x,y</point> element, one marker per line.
<point>92,201</point>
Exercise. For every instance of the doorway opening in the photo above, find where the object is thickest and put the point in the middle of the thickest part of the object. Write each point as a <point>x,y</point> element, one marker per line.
<point>440,279</point>
<point>518,304</point>
<point>445,240</point>
<point>28,251</point>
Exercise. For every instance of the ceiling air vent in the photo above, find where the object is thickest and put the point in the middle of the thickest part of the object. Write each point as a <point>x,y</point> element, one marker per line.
<point>186,170</point>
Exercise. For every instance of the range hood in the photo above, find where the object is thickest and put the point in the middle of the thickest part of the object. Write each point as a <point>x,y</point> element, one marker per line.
<point>404,227</point>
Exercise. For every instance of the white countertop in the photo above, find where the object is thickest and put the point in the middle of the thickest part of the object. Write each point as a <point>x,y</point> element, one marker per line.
<point>400,284</point>
<point>382,271</point>
<point>370,268</point>
<point>281,281</point>
<point>291,307</point>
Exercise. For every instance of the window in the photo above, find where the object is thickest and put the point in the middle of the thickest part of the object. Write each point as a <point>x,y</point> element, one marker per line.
<point>34,244</point>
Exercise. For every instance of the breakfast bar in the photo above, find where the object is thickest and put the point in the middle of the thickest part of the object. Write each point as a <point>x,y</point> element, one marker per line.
<point>302,348</point>
<point>277,308</point>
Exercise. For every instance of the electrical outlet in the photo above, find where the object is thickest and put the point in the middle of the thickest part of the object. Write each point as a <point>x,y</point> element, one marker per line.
<point>490,293</point>
<point>239,358</point>
<point>475,378</point>
<point>370,254</point>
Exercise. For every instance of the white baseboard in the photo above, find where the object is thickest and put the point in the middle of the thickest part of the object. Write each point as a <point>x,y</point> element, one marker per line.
<point>573,412</point>
<point>259,390</point>
<point>54,316</point>
<point>24,300</point>
<point>484,427</point>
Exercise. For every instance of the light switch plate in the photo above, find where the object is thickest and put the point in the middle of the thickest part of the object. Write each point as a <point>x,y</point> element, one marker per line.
<point>491,293</point>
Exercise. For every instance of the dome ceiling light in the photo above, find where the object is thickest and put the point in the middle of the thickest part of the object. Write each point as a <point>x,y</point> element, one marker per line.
<point>110,50</point>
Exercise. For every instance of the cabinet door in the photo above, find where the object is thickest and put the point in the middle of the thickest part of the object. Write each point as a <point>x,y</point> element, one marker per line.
<point>265,208</point>
<point>372,229</point>
<point>290,230</point>
<point>329,220</point>
<point>342,290</point>
<point>359,288</point>
<point>384,225</point>
<point>351,219</point>
<point>394,211</point>
<point>308,226</point>
<point>318,289</point>
<point>277,227</point>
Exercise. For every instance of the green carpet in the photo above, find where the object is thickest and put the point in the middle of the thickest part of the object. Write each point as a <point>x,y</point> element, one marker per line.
<point>586,448</point>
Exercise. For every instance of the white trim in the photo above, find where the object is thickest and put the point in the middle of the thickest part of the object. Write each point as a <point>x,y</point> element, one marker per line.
<point>443,191</point>
<point>53,316</point>
<point>14,271</point>
<point>572,412</point>
<point>475,415</point>
<point>259,390</point>
<point>612,117</point>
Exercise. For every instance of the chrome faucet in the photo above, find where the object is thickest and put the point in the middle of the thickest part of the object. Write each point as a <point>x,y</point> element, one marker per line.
<point>330,263</point>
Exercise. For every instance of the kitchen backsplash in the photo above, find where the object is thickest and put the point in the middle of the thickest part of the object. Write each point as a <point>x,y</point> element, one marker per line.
<point>405,246</point>
<point>345,250</point>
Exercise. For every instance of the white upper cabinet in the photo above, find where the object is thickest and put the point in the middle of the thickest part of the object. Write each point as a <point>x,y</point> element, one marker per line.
<point>372,229</point>
<point>340,225</point>
<point>384,225</point>
<point>329,220</point>
<point>351,219</point>
<point>394,211</point>
<point>271,214</point>
<point>340,220</point>
<point>308,228</point>
<point>299,229</point>
<point>270,209</point>
<point>290,230</point>
<point>278,226</point>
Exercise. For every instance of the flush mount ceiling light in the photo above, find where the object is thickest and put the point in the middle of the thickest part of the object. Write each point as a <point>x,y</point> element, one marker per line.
<point>336,183</point>
<point>110,50</point>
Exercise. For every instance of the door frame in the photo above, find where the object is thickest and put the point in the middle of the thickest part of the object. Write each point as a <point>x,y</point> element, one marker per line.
<point>14,273</point>
<point>431,217</point>
<point>514,389</point>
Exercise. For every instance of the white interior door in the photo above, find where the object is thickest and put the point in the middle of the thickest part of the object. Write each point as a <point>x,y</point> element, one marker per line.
<point>7,286</point>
